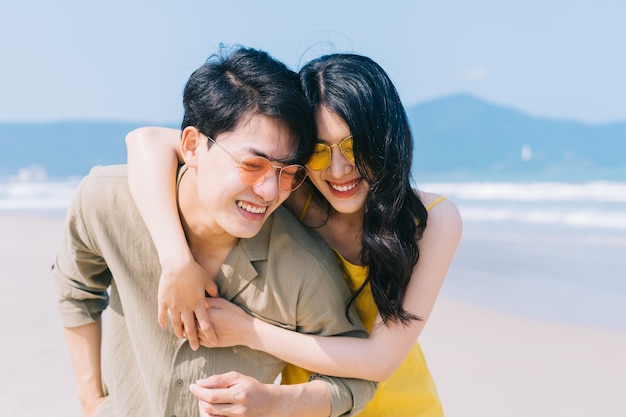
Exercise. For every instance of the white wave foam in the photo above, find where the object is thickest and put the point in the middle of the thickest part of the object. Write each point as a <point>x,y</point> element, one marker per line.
<point>599,191</point>
<point>591,217</point>
<point>592,204</point>
<point>37,195</point>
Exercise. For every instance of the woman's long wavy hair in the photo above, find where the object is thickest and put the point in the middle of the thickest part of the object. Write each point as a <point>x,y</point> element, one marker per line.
<point>359,91</point>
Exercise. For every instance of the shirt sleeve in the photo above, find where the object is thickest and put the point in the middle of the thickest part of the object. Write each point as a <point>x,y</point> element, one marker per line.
<point>322,310</point>
<point>80,274</point>
<point>348,396</point>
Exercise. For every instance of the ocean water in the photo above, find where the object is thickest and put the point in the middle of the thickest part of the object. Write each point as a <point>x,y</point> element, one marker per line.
<point>553,251</point>
<point>592,204</point>
<point>36,196</point>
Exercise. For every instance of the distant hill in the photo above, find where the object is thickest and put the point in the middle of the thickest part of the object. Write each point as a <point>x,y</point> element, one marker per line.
<point>461,137</point>
<point>458,137</point>
<point>63,149</point>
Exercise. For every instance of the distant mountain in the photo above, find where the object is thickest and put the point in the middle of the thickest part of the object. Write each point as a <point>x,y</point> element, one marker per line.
<point>63,149</point>
<point>457,138</point>
<point>461,137</point>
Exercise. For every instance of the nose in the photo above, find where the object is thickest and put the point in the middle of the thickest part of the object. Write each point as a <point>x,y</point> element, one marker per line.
<point>268,188</point>
<point>339,164</point>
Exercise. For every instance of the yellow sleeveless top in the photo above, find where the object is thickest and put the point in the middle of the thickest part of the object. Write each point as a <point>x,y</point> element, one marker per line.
<point>410,391</point>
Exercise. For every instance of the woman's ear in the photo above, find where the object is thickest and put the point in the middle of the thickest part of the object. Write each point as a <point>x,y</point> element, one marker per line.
<point>190,144</point>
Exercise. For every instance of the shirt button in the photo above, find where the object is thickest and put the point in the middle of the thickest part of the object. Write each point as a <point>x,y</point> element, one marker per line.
<point>179,382</point>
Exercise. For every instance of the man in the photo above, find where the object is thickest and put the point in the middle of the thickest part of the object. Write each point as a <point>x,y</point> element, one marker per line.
<point>245,128</point>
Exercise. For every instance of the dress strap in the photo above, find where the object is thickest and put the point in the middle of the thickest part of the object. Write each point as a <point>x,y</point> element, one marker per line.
<point>435,202</point>
<point>305,207</point>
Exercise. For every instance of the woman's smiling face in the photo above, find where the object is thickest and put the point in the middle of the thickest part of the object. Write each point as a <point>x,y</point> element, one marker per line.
<point>341,183</point>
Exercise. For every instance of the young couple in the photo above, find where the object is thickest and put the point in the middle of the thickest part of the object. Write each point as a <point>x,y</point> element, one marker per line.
<point>213,231</point>
<point>394,243</point>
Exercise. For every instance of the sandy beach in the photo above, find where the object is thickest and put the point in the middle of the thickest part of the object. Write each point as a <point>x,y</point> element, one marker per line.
<point>37,376</point>
<point>486,362</point>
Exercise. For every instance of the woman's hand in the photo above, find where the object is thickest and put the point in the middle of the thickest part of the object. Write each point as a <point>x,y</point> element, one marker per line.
<point>232,325</point>
<point>182,297</point>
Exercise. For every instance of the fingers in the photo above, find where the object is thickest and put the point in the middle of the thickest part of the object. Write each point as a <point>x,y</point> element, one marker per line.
<point>211,288</point>
<point>212,398</point>
<point>232,394</point>
<point>218,410</point>
<point>184,326</point>
<point>212,401</point>
<point>191,331</point>
<point>162,314</point>
<point>225,380</point>
<point>177,324</point>
<point>204,323</point>
<point>211,395</point>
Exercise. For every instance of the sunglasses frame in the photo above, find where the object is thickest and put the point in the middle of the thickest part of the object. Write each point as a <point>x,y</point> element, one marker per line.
<point>329,149</point>
<point>280,169</point>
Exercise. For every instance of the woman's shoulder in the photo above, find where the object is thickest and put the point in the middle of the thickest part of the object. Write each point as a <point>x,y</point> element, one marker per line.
<point>434,201</point>
<point>443,215</point>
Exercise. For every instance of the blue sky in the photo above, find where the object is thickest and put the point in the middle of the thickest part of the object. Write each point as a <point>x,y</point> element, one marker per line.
<point>128,60</point>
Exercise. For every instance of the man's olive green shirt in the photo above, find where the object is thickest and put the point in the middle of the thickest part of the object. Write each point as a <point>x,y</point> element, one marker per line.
<point>107,260</point>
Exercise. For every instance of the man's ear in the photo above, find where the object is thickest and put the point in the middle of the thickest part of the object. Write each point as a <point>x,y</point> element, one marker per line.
<point>190,144</point>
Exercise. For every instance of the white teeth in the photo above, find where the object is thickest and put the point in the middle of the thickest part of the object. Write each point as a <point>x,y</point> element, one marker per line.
<point>344,188</point>
<point>251,208</point>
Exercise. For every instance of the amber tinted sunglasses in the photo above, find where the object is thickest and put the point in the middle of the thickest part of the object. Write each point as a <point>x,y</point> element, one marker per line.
<point>320,160</point>
<point>256,169</point>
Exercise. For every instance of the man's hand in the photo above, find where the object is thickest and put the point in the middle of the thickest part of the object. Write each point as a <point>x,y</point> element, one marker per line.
<point>181,295</point>
<point>90,408</point>
<point>234,394</point>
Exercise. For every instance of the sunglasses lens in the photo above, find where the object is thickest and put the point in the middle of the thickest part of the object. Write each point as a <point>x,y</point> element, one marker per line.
<point>346,149</point>
<point>254,169</point>
<point>320,159</point>
<point>291,177</point>
<point>257,169</point>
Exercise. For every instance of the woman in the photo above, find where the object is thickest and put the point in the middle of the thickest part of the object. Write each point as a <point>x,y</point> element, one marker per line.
<point>395,244</point>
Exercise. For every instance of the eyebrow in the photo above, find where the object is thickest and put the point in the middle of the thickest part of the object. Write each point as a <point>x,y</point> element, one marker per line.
<point>326,141</point>
<point>289,160</point>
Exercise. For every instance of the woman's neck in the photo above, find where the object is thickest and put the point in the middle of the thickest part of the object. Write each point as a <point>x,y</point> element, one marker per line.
<point>344,233</point>
<point>341,231</point>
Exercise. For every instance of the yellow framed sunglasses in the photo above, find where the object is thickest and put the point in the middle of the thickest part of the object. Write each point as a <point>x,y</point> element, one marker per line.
<point>320,160</point>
